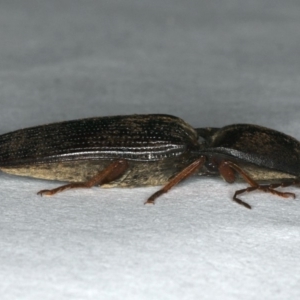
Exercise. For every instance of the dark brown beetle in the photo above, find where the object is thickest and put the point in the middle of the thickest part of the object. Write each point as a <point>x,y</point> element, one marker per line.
<point>148,150</point>
<point>253,153</point>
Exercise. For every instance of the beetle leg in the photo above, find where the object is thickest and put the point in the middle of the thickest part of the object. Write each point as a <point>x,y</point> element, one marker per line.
<point>185,173</point>
<point>228,164</point>
<point>226,169</point>
<point>285,184</point>
<point>239,201</point>
<point>268,188</point>
<point>227,172</point>
<point>110,173</point>
<point>271,189</point>
<point>265,188</point>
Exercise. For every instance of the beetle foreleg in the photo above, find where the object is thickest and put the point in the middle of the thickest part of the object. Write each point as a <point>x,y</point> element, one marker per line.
<point>264,188</point>
<point>111,173</point>
<point>185,173</point>
<point>224,169</point>
<point>225,165</point>
<point>270,189</point>
<point>239,201</point>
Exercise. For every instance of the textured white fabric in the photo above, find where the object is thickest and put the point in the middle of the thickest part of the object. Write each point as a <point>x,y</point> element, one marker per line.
<point>212,63</point>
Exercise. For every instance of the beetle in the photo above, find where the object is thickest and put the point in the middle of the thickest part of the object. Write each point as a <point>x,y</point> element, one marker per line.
<point>149,150</point>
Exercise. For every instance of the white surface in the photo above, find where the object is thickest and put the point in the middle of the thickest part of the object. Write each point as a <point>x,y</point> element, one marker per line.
<point>212,64</point>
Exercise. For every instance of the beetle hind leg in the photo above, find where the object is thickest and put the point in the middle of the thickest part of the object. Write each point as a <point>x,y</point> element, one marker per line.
<point>115,170</point>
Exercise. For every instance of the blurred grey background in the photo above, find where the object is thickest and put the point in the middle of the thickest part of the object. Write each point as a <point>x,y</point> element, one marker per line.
<point>212,63</point>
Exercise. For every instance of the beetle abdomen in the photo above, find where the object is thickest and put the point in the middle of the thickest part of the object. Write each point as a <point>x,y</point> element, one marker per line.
<point>139,173</point>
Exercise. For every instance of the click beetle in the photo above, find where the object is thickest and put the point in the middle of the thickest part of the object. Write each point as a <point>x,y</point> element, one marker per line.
<point>150,150</point>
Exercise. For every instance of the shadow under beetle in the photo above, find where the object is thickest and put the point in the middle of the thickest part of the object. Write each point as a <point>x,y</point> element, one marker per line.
<point>149,150</point>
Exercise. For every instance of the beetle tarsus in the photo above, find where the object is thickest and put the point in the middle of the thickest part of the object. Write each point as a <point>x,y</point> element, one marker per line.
<point>151,200</point>
<point>265,188</point>
<point>45,192</point>
<point>281,194</point>
<point>63,188</point>
<point>241,202</point>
